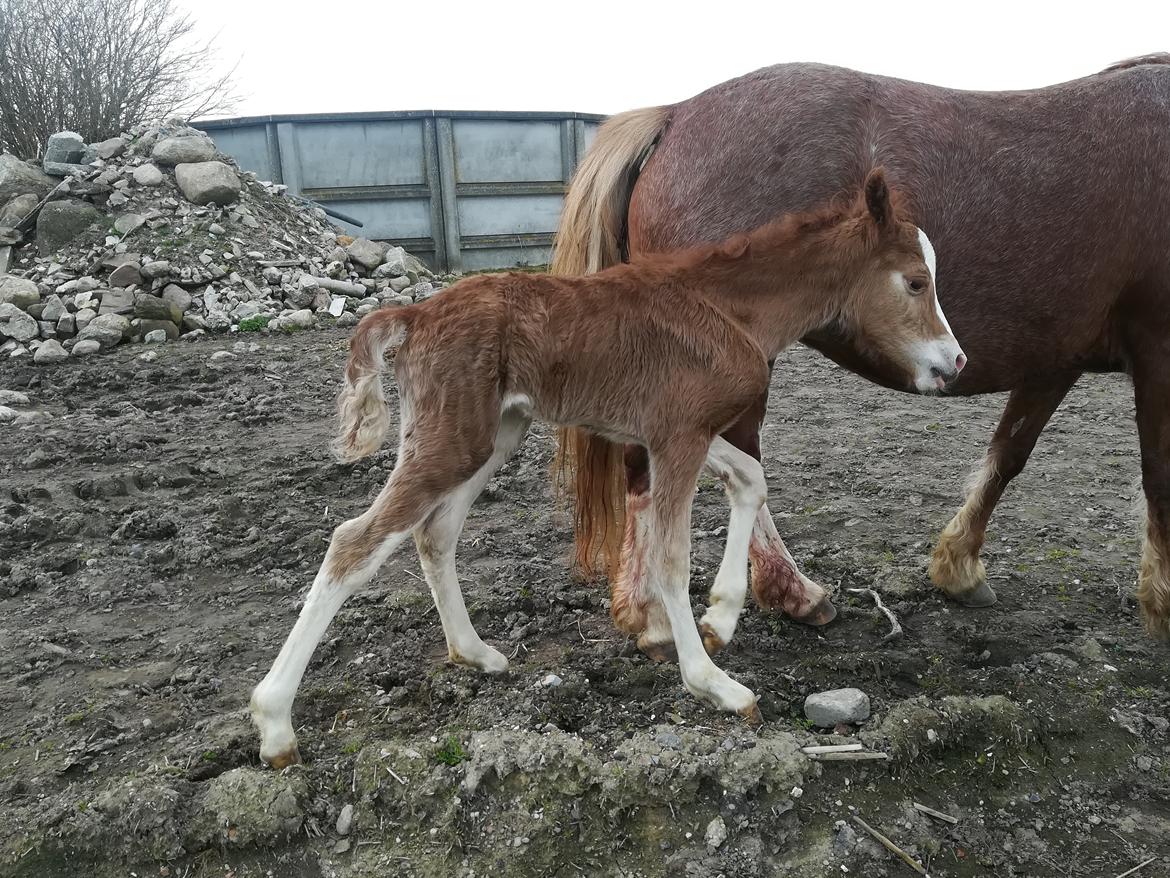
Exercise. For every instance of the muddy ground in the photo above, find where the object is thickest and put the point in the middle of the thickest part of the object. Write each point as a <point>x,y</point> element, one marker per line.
<point>160,521</point>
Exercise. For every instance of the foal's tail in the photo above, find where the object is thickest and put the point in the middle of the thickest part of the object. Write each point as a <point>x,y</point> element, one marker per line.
<point>590,238</point>
<point>361,408</point>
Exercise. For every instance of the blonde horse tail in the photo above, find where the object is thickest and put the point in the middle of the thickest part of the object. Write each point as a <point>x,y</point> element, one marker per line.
<point>588,467</point>
<point>361,407</point>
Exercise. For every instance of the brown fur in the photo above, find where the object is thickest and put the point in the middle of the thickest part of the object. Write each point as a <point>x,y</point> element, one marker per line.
<point>1051,231</point>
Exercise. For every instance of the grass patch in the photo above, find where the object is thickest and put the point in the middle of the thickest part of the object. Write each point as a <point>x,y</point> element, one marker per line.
<point>255,323</point>
<point>450,751</point>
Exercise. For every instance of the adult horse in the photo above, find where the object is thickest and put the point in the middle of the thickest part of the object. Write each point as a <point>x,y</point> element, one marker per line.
<point>1050,213</point>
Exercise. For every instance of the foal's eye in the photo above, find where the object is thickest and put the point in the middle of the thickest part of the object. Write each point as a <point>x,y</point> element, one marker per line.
<point>916,285</point>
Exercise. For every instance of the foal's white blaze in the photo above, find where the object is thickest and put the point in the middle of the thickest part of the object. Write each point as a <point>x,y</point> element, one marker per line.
<point>936,361</point>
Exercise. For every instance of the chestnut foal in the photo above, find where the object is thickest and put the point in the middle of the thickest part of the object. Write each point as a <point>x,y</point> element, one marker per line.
<point>613,353</point>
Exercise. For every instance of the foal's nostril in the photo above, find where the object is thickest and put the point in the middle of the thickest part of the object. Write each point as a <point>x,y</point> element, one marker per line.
<point>960,362</point>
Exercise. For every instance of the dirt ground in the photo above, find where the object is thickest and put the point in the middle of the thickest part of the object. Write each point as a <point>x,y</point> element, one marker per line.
<point>161,520</point>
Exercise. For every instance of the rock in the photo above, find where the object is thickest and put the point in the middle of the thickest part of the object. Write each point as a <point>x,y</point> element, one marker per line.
<point>393,263</point>
<point>337,306</point>
<point>84,317</point>
<point>368,254</point>
<point>128,222</point>
<point>126,275</point>
<point>208,183</point>
<point>7,415</point>
<point>18,291</point>
<point>347,319</point>
<point>716,833</point>
<point>159,268</point>
<point>345,820</point>
<point>10,237</point>
<point>157,336</point>
<point>302,319</point>
<point>16,209</point>
<point>66,325</point>
<point>398,284</point>
<point>20,178</point>
<point>244,310</point>
<point>110,149</point>
<point>550,681</point>
<point>150,307</point>
<point>13,397</point>
<point>120,301</point>
<point>148,175</point>
<point>423,291</point>
<point>145,327</point>
<point>54,309</point>
<point>59,222</point>
<point>216,229</point>
<point>176,295</point>
<point>221,355</point>
<point>245,807</point>
<point>85,347</point>
<point>50,352</point>
<point>16,324</point>
<point>183,150</point>
<point>66,153</point>
<point>106,329</point>
<point>826,709</point>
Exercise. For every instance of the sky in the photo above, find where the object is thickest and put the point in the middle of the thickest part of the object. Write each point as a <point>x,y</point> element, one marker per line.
<point>602,56</point>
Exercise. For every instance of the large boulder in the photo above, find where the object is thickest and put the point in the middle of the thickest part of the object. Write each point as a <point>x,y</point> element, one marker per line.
<point>183,150</point>
<point>60,222</point>
<point>148,175</point>
<point>50,352</point>
<point>110,149</point>
<point>66,153</point>
<point>117,301</point>
<point>21,178</point>
<point>150,307</point>
<point>208,183</point>
<point>18,291</point>
<point>17,209</point>
<point>17,325</point>
<point>368,254</point>
<point>106,329</point>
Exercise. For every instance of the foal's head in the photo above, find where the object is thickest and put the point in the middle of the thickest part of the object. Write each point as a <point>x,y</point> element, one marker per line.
<point>890,305</point>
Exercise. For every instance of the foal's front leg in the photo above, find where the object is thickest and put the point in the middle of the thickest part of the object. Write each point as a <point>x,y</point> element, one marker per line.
<point>746,489</point>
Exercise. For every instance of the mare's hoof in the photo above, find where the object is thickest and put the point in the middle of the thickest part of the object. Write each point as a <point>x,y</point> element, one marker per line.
<point>822,614</point>
<point>980,596</point>
<point>712,642</point>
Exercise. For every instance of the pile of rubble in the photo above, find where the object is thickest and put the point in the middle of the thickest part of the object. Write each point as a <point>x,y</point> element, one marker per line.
<point>154,236</point>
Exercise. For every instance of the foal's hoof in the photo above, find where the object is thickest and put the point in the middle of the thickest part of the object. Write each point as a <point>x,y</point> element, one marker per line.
<point>980,596</point>
<point>291,756</point>
<point>752,715</point>
<point>822,614</point>
<point>659,652</point>
<point>712,642</point>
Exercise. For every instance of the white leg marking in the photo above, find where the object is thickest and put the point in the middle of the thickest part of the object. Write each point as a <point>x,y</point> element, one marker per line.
<point>437,539</point>
<point>747,491</point>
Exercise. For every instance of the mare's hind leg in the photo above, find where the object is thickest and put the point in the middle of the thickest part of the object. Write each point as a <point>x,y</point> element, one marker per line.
<point>674,472</point>
<point>955,566</point>
<point>746,489</point>
<point>1151,380</point>
<point>437,538</point>
<point>356,551</point>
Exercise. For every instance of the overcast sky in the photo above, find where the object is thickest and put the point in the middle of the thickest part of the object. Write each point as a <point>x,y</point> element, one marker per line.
<point>603,56</point>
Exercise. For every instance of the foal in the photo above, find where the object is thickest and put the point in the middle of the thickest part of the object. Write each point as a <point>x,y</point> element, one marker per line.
<point>611,353</point>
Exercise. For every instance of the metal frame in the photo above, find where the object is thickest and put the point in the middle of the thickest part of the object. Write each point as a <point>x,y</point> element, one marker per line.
<point>441,187</point>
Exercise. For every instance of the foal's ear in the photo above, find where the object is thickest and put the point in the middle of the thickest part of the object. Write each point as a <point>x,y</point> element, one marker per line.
<point>877,199</point>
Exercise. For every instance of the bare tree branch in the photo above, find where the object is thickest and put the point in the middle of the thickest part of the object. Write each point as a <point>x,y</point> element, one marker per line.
<point>99,67</point>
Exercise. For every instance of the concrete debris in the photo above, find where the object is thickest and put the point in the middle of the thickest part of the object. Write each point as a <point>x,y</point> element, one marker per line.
<point>153,235</point>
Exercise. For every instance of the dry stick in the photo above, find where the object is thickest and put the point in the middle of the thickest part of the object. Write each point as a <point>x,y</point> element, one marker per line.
<point>855,756</point>
<point>890,846</point>
<point>830,748</point>
<point>933,813</point>
<point>1138,866</point>
<point>896,631</point>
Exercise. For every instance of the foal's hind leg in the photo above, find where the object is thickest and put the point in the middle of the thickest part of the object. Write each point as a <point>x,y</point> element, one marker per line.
<point>955,566</point>
<point>746,489</point>
<point>356,551</point>
<point>437,539</point>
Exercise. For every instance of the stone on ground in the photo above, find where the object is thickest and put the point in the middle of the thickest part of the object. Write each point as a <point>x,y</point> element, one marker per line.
<point>50,352</point>
<point>59,222</point>
<point>827,709</point>
<point>183,150</point>
<point>21,178</point>
<point>208,183</point>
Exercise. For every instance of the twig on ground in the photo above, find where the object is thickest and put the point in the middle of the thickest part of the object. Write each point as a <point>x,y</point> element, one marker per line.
<point>896,630</point>
<point>890,846</point>
<point>1138,866</point>
<point>830,748</point>
<point>933,813</point>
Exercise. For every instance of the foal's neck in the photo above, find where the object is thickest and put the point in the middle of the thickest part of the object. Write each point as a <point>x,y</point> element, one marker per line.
<point>780,282</point>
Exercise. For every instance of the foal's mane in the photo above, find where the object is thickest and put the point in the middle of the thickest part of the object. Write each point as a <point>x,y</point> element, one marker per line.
<point>839,224</point>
